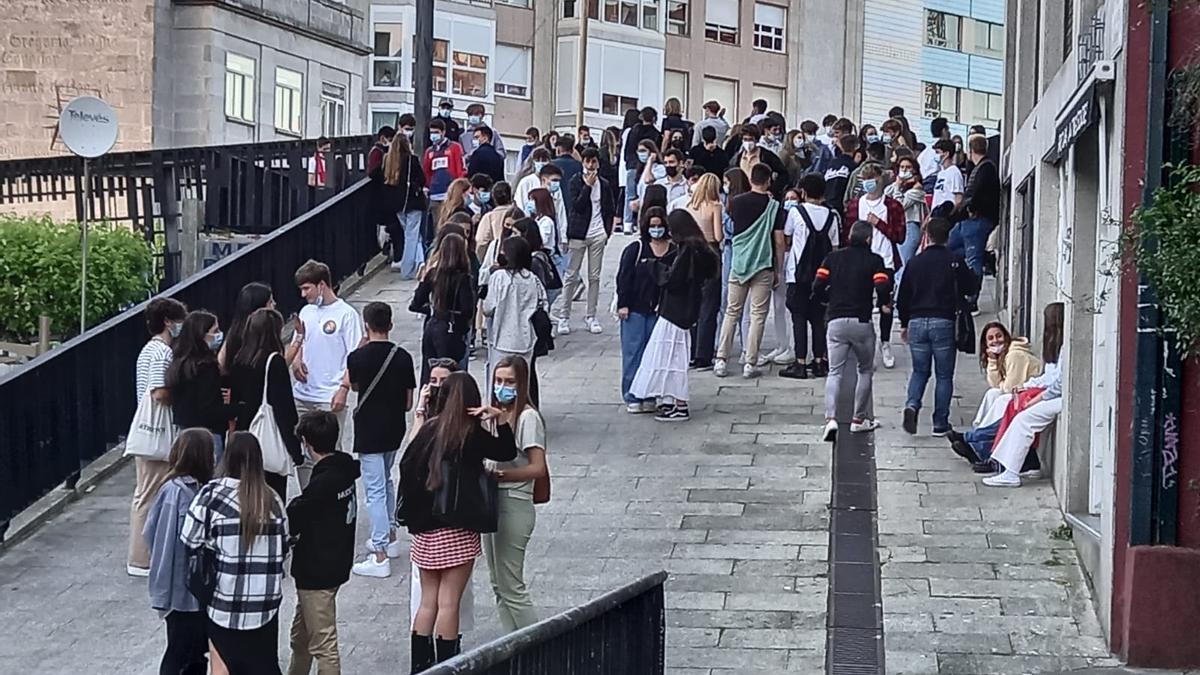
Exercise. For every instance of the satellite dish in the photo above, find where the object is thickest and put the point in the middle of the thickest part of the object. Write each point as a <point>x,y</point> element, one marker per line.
<point>88,126</point>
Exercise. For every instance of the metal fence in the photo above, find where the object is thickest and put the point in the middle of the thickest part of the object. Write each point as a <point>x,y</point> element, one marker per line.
<point>72,404</point>
<point>622,632</point>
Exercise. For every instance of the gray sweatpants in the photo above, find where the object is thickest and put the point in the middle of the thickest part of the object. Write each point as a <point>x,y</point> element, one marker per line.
<point>844,336</point>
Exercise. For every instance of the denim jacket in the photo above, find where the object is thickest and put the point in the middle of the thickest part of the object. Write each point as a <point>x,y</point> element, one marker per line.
<point>168,555</point>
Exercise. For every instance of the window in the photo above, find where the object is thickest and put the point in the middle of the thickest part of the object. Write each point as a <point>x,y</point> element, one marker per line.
<point>569,9</point>
<point>239,88</point>
<point>650,14</point>
<point>987,109</point>
<point>677,17</point>
<point>386,57</point>
<point>629,13</point>
<point>724,92</point>
<point>943,30</point>
<point>518,3</point>
<point>470,74</point>
<point>333,110</point>
<point>989,38</point>
<point>772,95</point>
<point>721,21</point>
<point>675,85</point>
<point>384,118</point>
<point>512,71</point>
<point>769,21</point>
<point>612,104</point>
<point>441,49</point>
<point>1068,27</point>
<point>289,101</point>
<point>941,100</point>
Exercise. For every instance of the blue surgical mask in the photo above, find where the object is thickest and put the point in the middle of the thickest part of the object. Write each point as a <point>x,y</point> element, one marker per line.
<point>435,137</point>
<point>872,138</point>
<point>176,329</point>
<point>789,204</point>
<point>643,155</point>
<point>554,186</point>
<point>657,232</point>
<point>485,197</point>
<point>474,119</point>
<point>869,185</point>
<point>658,171</point>
<point>444,112</point>
<point>537,166</point>
<point>214,341</point>
<point>530,207</point>
<point>505,394</point>
<point>887,138</point>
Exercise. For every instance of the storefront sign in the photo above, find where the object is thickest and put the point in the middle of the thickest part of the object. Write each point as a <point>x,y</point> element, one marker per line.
<point>1077,120</point>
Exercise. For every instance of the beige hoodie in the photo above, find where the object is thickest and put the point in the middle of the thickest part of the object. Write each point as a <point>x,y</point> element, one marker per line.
<point>1020,364</point>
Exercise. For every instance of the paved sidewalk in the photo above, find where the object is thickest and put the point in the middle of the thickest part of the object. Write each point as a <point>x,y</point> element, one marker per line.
<point>733,504</point>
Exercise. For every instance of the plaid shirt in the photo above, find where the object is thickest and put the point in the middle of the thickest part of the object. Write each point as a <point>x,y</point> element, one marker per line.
<point>249,582</point>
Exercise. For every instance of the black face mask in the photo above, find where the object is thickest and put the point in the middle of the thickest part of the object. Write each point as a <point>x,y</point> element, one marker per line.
<point>672,171</point>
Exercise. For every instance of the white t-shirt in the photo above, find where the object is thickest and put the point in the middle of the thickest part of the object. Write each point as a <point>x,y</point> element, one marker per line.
<point>797,229</point>
<point>949,183</point>
<point>678,203</point>
<point>331,332</point>
<point>550,235</point>
<point>928,162</point>
<point>596,227</point>
<point>879,242</point>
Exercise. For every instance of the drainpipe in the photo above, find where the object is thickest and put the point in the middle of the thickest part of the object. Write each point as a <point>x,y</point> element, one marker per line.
<point>1145,527</point>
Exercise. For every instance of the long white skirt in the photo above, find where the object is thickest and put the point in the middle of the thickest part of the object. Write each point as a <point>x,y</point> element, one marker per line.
<point>991,408</point>
<point>664,369</point>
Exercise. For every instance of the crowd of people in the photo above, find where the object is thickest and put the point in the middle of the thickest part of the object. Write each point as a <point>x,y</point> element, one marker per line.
<point>831,230</point>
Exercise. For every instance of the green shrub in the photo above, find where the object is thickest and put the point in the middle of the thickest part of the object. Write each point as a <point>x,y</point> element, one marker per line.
<point>39,274</point>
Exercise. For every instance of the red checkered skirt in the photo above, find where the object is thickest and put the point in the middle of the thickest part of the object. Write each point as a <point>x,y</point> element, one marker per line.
<point>444,548</point>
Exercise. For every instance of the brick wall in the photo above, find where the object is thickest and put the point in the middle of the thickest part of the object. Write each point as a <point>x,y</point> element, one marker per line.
<point>54,50</point>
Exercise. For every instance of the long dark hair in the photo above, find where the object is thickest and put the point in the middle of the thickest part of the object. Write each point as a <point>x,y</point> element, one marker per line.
<point>252,297</point>
<point>1052,332</point>
<point>983,352</point>
<point>190,350</point>
<point>256,501</point>
<point>632,118</point>
<point>738,182</point>
<point>192,455</point>
<point>648,215</point>
<point>453,425</point>
<point>261,338</point>
<point>654,196</point>
<point>529,230</point>
<point>684,230</point>
<point>517,254</point>
<point>453,264</point>
<point>543,204</point>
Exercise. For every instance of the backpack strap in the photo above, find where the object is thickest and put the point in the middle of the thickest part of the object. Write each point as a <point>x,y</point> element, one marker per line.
<point>378,376</point>
<point>807,218</point>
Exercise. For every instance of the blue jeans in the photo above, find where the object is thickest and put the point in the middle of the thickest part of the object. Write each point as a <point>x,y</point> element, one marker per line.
<point>912,239</point>
<point>970,239</point>
<point>931,343</point>
<point>635,334</point>
<point>561,261</point>
<point>981,439</point>
<point>414,250</point>
<point>381,495</point>
<point>631,179</point>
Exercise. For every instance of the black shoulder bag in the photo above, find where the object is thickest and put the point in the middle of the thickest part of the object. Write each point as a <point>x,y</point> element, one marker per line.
<point>964,323</point>
<point>201,579</point>
<point>469,503</point>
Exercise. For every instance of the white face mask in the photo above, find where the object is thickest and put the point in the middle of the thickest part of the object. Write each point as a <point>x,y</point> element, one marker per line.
<point>996,350</point>
<point>798,142</point>
<point>749,146</point>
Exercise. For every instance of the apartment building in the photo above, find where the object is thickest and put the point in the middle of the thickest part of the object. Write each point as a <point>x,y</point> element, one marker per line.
<point>184,72</point>
<point>935,58</point>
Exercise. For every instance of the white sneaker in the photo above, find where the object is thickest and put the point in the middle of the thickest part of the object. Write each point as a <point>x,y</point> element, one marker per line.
<point>885,349</point>
<point>135,571</point>
<point>634,408</point>
<point>628,229</point>
<point>593,325</point>
<point>564,326</point>
<point>784,358</point>
<point>1005,480</point>
<point>396,267</point>
<point>864,426</point>
<point>719,368</point>
<point>395,549</point>
<point>750,371</point>
<point>650,406</point>
<point>373,568</point>
<point>829,435</point>
<point>742,359</point>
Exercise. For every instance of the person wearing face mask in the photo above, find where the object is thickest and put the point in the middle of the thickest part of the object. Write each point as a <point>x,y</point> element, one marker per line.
<point>772,138</point>
<point>472,141</point>
<point>570,167</point>
<point>327,330</point>
<point>937,282</point>
<point>453,130</point>
<point>382,140</point>
<point>643,129</point>
<point>948,188</point>
<point>811,233</point>
<point>164,321</point>
<point>929,160</point>
<point>532,137</point>
<point>652,172</point>
<point>406,126</point>
<point>875,155</point>
<point>589,225</point>
<point>827,135</point>
<point>194,379</point>
<point>668,174</point>
<point>709,154</point>
<point>637,299</point>
<point>489,163</point>
<point>584,140</point>
<point>887,217</point>
<point>400,198</point>
<point>752,153</point>
<point>443,163</point>
<point>907,190</point>
<point>529,177</point>
<point>820,155</point>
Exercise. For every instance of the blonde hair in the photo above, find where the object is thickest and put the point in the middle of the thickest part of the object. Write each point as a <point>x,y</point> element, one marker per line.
<point>706,191</point>
<point>397,156</point>
<point>456,198</point>
<point>672,107</point>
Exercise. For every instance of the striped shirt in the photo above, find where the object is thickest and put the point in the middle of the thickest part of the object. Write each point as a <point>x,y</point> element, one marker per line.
<point>152,364</point>
<point>249,582</point>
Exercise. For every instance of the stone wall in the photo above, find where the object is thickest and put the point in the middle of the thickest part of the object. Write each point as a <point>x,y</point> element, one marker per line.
<point>54,50</point>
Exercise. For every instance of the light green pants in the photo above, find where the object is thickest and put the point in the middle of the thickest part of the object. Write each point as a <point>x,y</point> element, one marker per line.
<point>505,552</point>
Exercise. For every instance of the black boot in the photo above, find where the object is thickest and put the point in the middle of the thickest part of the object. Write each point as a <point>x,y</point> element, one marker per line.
<point>447,649</point>
<point>421,653</point>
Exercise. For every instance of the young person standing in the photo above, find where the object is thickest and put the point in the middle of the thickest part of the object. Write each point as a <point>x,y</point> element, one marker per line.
<point>886,215</point>
<point>327,330</point>
<point>472,142</point>
<point>164,321</point>
<point>401,191</point>
<point>758,223</point>
<point>948,188</point>
<point>443,164</point>
<point>490,163</point>
<point>589,225</point>
<point>382,374</point>
<point>812,234</point>
<point>569,166</point>
<point>848,278</point>
<point>929,160</point>
<point>446,296</point>
<point>514,294</point>
<point>638,297</point>
<point>194,379</point>
<point>705,206</point>
<point>321,522</point>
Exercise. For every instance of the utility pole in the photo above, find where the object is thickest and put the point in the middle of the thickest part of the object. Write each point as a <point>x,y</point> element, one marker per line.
<point>423,73</point>
<point>581,61</point>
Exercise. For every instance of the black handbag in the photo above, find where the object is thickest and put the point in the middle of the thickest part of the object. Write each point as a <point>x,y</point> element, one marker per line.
<point>964,323</point>
<point>201,579</point>
<point>540,320</point>
<point>466,502</point>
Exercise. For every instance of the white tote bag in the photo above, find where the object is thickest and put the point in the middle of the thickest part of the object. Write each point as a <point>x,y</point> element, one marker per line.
<point>152,430</point>
<point>274,453</point>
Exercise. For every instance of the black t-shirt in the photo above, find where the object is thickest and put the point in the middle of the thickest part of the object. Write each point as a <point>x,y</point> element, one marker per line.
<point>747,207</point>
<point>379,423</point>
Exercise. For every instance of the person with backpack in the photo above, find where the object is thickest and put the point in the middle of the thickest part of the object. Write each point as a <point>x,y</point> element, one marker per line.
<point>321,522</point>
<point>383,375</point>
<point>887,216</point>
<point>812,233</point>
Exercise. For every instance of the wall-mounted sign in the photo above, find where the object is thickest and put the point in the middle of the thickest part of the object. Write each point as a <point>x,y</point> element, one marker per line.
<point>1083,114</point>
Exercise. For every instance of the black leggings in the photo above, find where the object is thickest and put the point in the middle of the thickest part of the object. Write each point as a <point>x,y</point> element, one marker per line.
<point>806,313</point>
<point>187,644</point>
<point>885,325</point>
<point>248,652</point>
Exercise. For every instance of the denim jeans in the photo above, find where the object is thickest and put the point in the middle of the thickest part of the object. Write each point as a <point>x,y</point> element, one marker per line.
<point>414,251</point>
<point>970,239</point>
<point>908,249</point>
<point>931,343</point>
<point>635,335</point>
<point>381,495</point>
<point>981,440</point>
<point>631,180</point>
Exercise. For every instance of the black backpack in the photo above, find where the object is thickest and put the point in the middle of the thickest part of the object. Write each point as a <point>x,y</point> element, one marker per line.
<point>816,247</point>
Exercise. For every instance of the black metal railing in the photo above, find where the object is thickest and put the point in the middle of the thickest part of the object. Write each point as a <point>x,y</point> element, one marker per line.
<point>69,406</point>
<point>622,632</point>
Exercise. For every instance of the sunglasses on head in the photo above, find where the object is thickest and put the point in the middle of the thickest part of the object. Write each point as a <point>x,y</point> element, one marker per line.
<point>442,363</point>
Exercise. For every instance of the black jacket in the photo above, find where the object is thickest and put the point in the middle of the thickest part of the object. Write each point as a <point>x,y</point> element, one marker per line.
<point>579,214</point>
<point>712,161</point>
<point>456,317</point>
<point>408,195</point>
<point>246,385</point>
<point>489,163</point>
<point>927,289</point>
<point>415,510</point>
<point>680,302</point>
<point>321,523</point>
<point>196,400</point>
<point>637,277</point>
<point>637,134</point>
<point>981,196</point>
<point>847,279</point>
<point>779,183</point>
